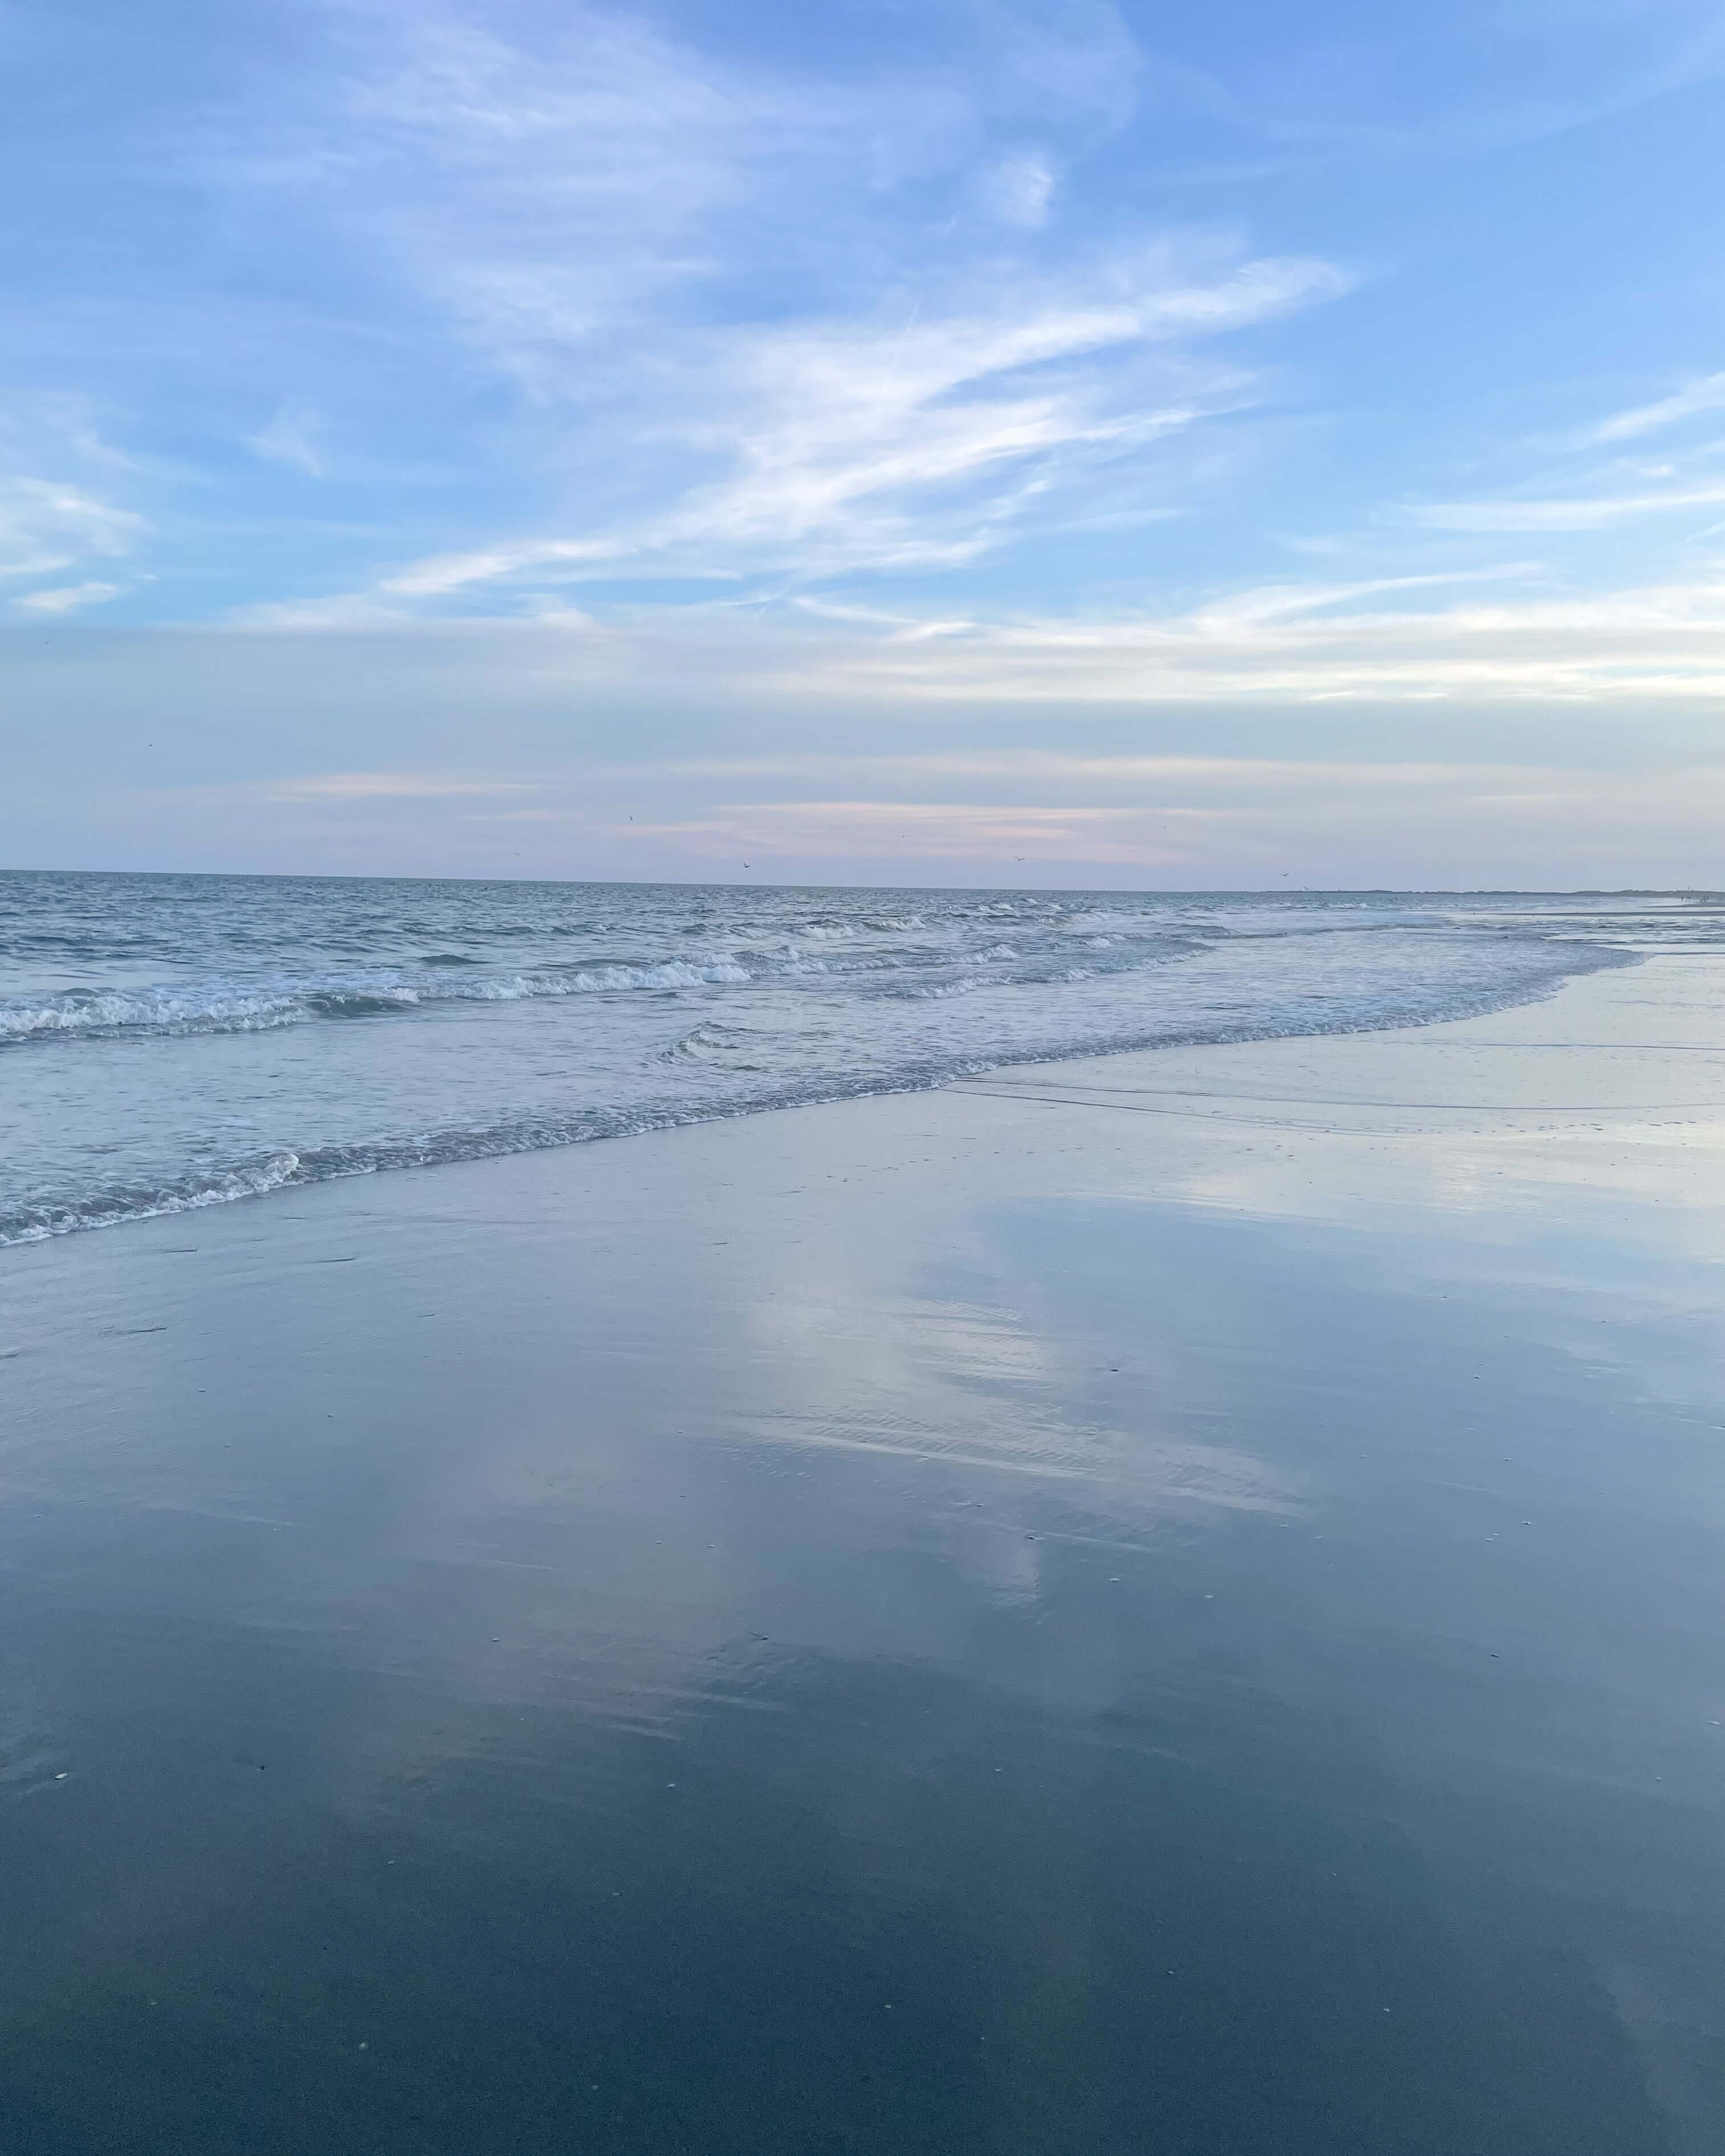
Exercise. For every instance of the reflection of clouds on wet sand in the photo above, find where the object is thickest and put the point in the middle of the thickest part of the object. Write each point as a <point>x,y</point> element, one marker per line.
<point>1487,1120</point>
<point>992,1552</point>
<point>1129,1469</point>
<point>996,1400</point>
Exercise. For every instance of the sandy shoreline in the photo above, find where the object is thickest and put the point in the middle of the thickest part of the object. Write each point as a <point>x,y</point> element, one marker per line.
<point>1165,1602</point>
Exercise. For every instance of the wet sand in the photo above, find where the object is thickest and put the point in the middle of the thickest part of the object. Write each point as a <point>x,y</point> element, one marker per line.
<point>1170,1603</point>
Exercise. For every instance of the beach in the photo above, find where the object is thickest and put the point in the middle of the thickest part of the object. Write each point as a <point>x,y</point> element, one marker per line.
<point>1167,1601</point>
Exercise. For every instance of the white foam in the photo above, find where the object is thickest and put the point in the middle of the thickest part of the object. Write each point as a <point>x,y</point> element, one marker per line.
<point>576,1022</point>
<point>223,1007</point>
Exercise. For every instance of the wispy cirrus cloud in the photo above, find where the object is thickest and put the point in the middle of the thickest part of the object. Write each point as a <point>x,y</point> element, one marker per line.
<point>1287,644</point>
<point>47,526</point>
<point>291,437</point>
<point>1644,643</point>
<point>866,446</point>
<point>387,786</point>
<point>1249,813</point>
<point>1705,394</point>
<point>67,598</point>
<point>1575,513</point>
<point>1420,84</point>
<point>1019,188</point>
<point>754,318</point>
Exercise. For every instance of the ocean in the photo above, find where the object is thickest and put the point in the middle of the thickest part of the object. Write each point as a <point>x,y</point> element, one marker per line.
<point>171,1042</point>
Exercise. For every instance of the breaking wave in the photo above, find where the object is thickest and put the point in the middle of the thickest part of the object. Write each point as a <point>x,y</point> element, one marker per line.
<point>182,1042</point>
<point>205,1040</point>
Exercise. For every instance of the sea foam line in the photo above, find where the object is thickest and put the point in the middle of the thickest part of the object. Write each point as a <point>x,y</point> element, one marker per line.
<point>225,1006</point>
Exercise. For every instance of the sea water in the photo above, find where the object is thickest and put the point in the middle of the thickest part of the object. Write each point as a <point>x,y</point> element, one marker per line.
<point>169,1042</point>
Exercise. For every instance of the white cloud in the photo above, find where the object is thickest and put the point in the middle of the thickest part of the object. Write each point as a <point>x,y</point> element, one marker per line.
<point>1280,644</point>
<point>945,830</point>
<point>1289,643</point>
<point>440,574</point>
<point>857,446</point>
<point>67,598</point>
<point>1018,189</point>
<point>45,526</point>
<point>998,751</point>
<point>1584,513</point>
<point>552,186</point>
<point>1040,772</point>
<point>1707,394</point>
<point>290,438</point>
<point>746,316</point>
<point>384,786</point>
<point>1615,648</point>
<point>1252,814</point>
<point>1472,75</point>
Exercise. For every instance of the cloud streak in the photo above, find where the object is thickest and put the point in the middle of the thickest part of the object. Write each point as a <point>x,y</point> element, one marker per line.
<point>47,526</point>
<point>1248,814</point>
<point>1705,394</point>
<point>863,446</point>
<point>1282,644</point>
<point>1184,821</point>
<point>1654,644</point>
<point>67,598</point>
<point>1583,513</point>
<point>1285,644</point>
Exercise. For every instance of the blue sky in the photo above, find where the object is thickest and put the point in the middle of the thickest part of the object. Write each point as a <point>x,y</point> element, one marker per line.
<point>935,443</point>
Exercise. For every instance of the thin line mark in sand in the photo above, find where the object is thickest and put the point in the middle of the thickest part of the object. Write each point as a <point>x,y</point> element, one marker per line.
<point>1110,1096</point>
<point>1638,1109</point>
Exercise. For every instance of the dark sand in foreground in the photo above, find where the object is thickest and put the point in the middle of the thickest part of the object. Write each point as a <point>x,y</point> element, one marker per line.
<point>1165,1603</point>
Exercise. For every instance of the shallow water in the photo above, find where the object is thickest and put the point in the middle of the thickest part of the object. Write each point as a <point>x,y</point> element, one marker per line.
<point>170,1042</point>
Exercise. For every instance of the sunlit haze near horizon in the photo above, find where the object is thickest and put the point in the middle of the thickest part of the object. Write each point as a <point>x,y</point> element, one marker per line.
<point>1060,445</point>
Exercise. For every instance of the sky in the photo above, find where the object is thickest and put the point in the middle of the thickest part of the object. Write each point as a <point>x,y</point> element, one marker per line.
<point>952,442</point>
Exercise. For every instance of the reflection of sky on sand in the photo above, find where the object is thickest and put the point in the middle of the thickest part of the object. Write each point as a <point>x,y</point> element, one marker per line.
<point>787,1358</point>
<point>1499,1123</point>
<point>1318,1461</point>
<point>912,1389</point>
